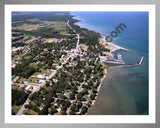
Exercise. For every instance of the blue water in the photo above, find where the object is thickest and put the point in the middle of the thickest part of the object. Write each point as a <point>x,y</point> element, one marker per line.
<point>134,80</point>
<point>135,36</point>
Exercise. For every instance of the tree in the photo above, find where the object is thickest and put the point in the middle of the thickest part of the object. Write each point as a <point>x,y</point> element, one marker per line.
<point>79,96</point>
<point>44,111</point>
<point>84,110</point>
<point>71,113</point>
<point>47,83</point>
<point>18,97</point>
<point>72,96</point>
<point>53,111</point>
<point>93,96</point>
<point>79,104</point>
<point>63,113</point>
<point>73,107</point>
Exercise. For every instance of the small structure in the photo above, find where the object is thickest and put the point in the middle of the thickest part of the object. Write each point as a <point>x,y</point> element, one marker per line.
<point>59,109</point>
<point>79,112</point>
<point>55,64</point>
<point>41,75</point>
<point>30,88</point>
<point>84,102</point>
<point>54,80</point>
<point>41,81</point>
<point>41,106</point>
<point>15,79</point>
<point>26,81</point>
<point>67,94</point>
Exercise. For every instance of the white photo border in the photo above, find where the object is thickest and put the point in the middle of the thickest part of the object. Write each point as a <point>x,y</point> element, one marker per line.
<point>82,118</point>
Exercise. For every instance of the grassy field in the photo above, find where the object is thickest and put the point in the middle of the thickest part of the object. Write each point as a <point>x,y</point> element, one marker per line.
<point>15,109</point>
<point>30,40</point>
<point>16,87</point>
<point>56,25</point>
<point>84,47</point>
<point>50,40</point>
<point>60,26</point>
<point>27,27</point>
<point>29,112</point>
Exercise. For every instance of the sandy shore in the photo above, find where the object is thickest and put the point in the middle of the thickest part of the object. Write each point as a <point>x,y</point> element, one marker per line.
<point>109,45</point>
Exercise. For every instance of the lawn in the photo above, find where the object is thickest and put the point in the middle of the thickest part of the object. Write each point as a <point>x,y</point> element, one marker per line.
<point>84,47</point>
<point>29,112</point>
<point>50,40</point>
<point>15,109</point>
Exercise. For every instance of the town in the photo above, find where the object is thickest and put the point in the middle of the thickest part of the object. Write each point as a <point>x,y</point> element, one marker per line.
<point>57,66</point>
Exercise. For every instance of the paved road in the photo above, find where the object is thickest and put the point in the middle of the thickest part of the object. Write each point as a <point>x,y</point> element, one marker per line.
<point>23,107</point>
<point>52,74</point>
<point>76,34</point>
<point>37,89</point>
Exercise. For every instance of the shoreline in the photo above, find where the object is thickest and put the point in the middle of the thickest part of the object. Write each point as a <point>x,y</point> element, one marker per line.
<point>98,90</point>
<point>114,47</point>
<point>100,85</point>
<point>108,45</point>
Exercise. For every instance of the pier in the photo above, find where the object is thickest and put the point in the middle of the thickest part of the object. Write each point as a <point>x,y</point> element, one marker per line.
<point>125,66</point>
<point>133,52</point>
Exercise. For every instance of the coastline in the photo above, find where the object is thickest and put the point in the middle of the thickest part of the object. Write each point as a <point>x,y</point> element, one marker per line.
<point>115,99</point>
<point>113,47</point>
<point>100,85</point>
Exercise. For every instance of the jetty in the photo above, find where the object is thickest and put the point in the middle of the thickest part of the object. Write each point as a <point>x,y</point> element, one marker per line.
<point>133,52</point>
<point>125,66</point>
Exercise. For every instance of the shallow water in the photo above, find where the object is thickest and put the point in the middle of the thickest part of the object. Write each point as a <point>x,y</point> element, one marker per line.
<point>124,90</point>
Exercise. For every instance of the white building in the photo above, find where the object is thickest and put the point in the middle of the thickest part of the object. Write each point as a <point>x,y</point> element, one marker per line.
<point>41,75</point>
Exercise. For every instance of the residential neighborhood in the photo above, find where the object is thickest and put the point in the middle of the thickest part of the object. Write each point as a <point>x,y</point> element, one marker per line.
<point>57,67</point>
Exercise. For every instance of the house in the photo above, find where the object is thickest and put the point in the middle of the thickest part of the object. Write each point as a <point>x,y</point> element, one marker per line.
<point>59,109</point>
<point>54,80</point>
<point>84,102</point>
<point>41,106</point>
<point>29,87</point>
<point>41,81</point>
<point>41,75</point>
<point>26,81</point>
<point>79,112</point>
<point>16,78</point>
<point>55,64</point>
<point>55,104</point>
<point>67,94</point>
<point>90,92</point>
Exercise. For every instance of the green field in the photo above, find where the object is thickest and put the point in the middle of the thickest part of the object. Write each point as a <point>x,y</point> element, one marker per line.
<point>15,109</point>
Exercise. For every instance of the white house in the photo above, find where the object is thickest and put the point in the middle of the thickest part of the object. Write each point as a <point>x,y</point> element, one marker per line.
<point>41,75</point>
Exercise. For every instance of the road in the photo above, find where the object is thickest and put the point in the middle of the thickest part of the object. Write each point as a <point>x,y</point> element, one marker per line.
<point>37,89</point>
<point>52,74</point>
<point>77,46</point>
<point>23,107</point>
